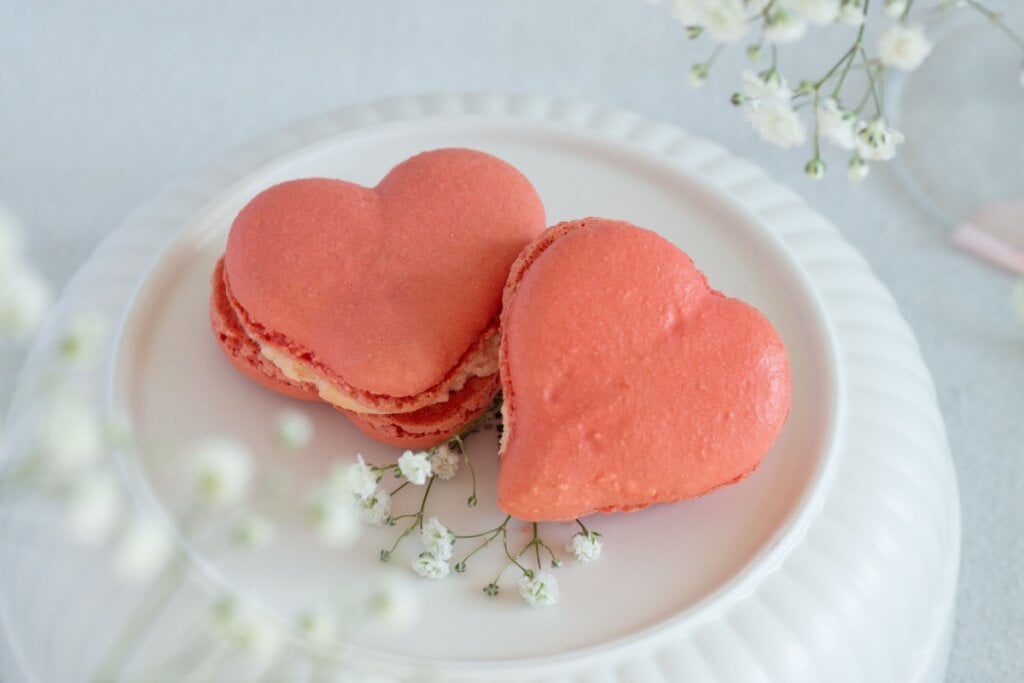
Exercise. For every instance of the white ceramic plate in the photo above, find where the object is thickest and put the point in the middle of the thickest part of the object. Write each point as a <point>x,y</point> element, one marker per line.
<point>835,561</point>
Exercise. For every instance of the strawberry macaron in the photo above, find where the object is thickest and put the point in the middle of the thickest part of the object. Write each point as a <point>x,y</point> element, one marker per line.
<point>627,380</point>
<point>382,301</point>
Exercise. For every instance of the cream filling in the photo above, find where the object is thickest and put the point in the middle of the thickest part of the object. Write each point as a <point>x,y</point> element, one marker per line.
<point>483,364</point>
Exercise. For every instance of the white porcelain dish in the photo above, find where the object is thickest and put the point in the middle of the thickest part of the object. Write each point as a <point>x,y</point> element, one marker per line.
<point>837,560</point>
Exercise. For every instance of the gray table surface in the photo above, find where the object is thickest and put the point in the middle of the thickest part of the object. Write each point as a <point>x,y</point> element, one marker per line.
<point>103,103</point>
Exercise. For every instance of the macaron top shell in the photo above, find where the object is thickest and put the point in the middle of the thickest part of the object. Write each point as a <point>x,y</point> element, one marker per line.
<point>386,288</point>
<point>627,380</point>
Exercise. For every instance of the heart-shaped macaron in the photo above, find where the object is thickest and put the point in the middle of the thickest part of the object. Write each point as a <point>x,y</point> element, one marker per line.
<point>381,301</point>
<point>627,379</point>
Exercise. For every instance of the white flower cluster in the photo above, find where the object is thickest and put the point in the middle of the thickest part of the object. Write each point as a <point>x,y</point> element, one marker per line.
<point>773,108</point>
<point>585,546</point>
<point>24,295</point>
<point>373,503</point>
<point>539,590</point>
<point>438,544</point>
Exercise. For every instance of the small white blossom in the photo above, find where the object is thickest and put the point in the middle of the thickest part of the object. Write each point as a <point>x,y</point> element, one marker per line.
<point>221,471</point>
<point>768,86</point>
<point>784,27</point>
<point>1018,298</point>
<point>430,567</point>
<point>444,463</point>
<point>437,539</point>
<point>895,8</point>
<point>94,505</point>
<point>362,479</point>
<point>72,439</point>
<point>778,123</point>
<point>243,628</point>
<point>335,519</point>
<point>415,467</point>
<point>540,590</point>
<point>294,430</point>
<point>877,142</point>
<point>755,7</point>
<point>254,531</point>
<point>392,604</point>
<point>83,339</point>
<point>903,47</point>
<point>851,12</point>
<point>857,170</point>
<point>725,20</point>
<point>697,76</point>
<point>375,509</point>
<point>814,11</point>
<point>836,125</point>
<point>585,547</point>
<point>143,549</point>
<point>24,300</point>
<point>319,626</point>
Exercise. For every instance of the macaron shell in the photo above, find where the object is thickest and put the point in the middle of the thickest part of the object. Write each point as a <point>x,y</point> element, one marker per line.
<point>627,380</point>
<point>387,289</point>
<point>434,424</point>
<point>242,351</point>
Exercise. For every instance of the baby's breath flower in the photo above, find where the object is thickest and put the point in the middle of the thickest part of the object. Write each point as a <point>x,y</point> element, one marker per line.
<point>415,467</point>
<point>392,604</point>
<point>294,429</point>
<point>585,547</point>
<point>94,505</point>
<point>82,339</point>
<point>540,590</point>
<point>428,566</point>
<point>243,628</point>
<point>143,549</point>
<point>444,463</point>
<point>362,479</point>
<point>895,8</point>
<point>72,439</point>
<point>221,471</point>
<point>851,12</point>
<point>319,626</point>
<point>836,125</point>
<point>777,122</point>
<point>768,85</point>
<point>335,519</point>
<point>698,75</point>
<point>1018,298</point>
<point>725,20</point>
<point>438,541</point>
<point>857,170</point>
<point>903,47</point>
<point>755,7</point>
<point>877,142</point>
<point>784,27</point>
<point>815,169</point>
<point>814,11</point>
<point>254,531</point>
<point>24,299</point>
<point>375,509</point>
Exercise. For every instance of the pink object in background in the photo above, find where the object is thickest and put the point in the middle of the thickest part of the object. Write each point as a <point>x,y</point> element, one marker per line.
<point>995,233</point>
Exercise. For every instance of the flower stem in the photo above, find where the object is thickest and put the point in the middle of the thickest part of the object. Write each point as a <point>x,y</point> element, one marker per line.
<point>997,19</point>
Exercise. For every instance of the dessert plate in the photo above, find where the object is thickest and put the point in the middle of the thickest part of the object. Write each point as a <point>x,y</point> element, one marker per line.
<point>836,560</point>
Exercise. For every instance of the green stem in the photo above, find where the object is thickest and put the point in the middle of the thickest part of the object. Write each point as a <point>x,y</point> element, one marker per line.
<point>997,19</point>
